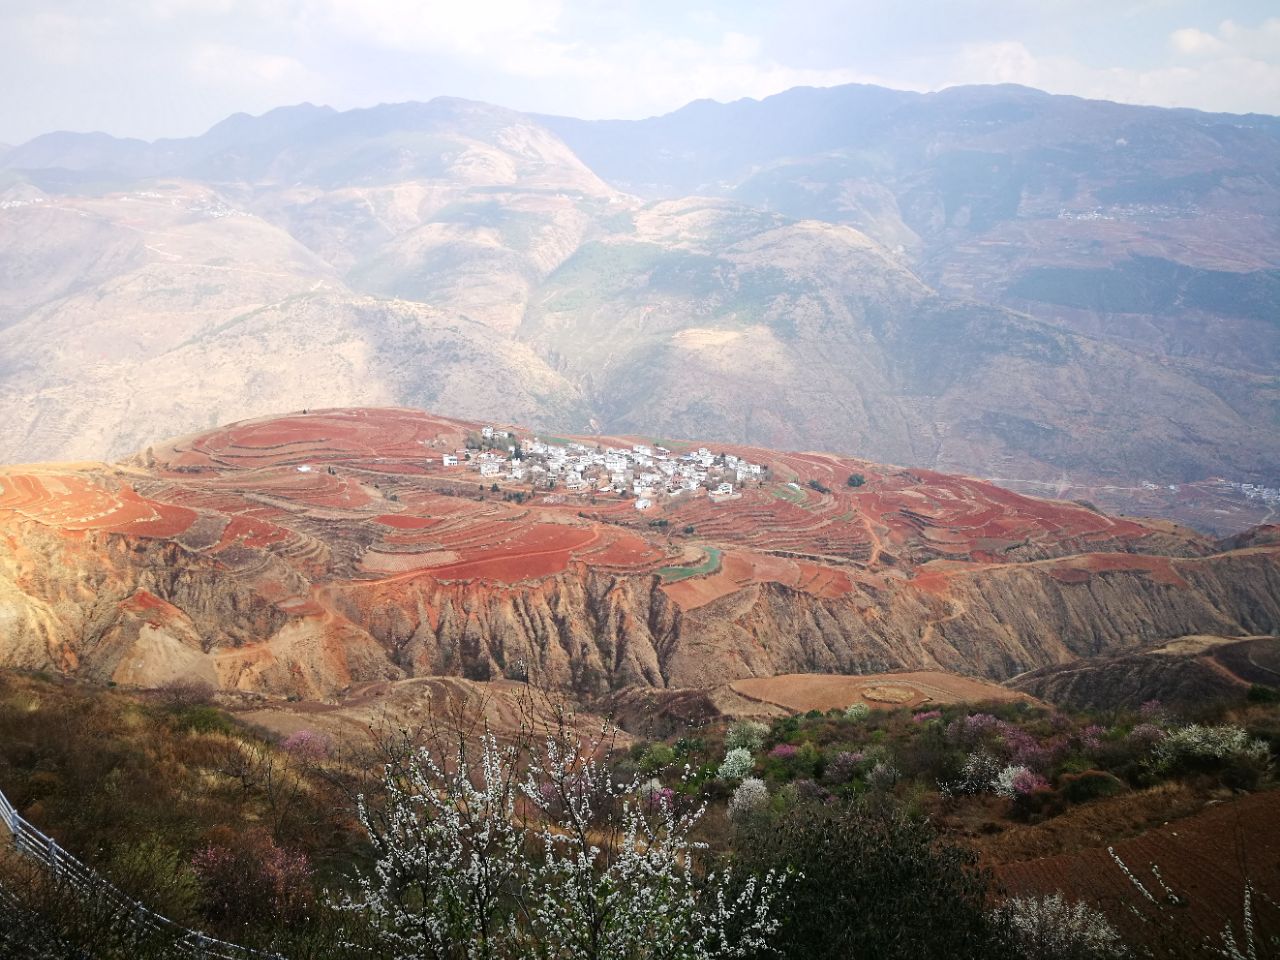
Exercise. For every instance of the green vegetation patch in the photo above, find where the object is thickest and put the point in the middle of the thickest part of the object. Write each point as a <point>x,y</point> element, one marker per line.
<point>710,565</point>
<point>789,493</point>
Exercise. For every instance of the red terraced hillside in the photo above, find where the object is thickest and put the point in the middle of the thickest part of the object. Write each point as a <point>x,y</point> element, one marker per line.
<point>300,554</point>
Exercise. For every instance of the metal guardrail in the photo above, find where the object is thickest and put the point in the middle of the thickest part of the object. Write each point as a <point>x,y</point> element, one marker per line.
<point>84,879</point>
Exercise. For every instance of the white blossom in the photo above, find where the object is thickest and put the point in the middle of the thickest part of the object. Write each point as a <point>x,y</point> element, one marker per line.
<point>857,711</point>
<point>750,796</point>
<point>1219,742</point>
<point>737,764</point>
<point>1002,784</point>
<point>1051,926</point>
<point>543,852</point>
<point>748,734</point>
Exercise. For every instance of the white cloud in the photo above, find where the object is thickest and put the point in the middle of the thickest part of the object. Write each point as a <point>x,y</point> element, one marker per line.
<point>629,73</point>
<point>1262,41</point>
<point>1229,70</point>
<point>1195,42</point>
<point>471,27</point>
<point>166,67</point>
<point>225,66</point>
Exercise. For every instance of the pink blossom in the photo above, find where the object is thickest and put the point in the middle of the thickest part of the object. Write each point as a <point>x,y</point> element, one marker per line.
<point>1027,782</point>
<point>308,745</point>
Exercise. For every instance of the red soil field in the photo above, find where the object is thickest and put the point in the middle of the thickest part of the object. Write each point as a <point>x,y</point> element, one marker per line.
<point>402,522</point>
<point>372,487</point>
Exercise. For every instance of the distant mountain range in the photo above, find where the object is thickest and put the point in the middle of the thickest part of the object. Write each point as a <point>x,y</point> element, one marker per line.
<point>990,280</point>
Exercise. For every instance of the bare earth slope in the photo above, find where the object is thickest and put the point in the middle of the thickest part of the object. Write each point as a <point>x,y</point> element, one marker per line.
<point>303,553</point>
<point>1187,671</point>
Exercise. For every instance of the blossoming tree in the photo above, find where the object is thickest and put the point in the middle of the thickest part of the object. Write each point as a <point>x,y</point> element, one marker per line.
<point>488,850</point>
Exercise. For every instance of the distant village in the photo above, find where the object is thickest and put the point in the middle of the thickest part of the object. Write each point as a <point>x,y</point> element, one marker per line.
<point>1131,211</point>
<point>649,473</point>
<point>1256,491</point>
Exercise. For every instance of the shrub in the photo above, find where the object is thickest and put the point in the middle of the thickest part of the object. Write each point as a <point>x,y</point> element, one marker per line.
<point>751,796</point>
<point>1196,744</point>
<point>857,712</point>
<point>1090,785</point>
<point>883,776</point>
<point>974,729</point>
<point>737,764</point>
<point>202,719</point>
<point>1023,782</point>
<point>1017,781</point>
<point>980,771</point>
<point>248,879</point>
<point>1146,735</point>
<point>843,767</point>
<point>1153,711</point>
<point>855,480</point>
<point>688,746</point>
<point>1261,693</point>
<point>177,694</point>
<point>1056,929</point>
<point>308,745</point>
<point>657,757</point>
<point>871,883</point>
<point>748,734</point>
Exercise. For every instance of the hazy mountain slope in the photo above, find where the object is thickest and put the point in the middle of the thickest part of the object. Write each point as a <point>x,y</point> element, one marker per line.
<point>1155,230</point>
<point>200,312</point>
<point>866,309</point>
<point>730,323</point>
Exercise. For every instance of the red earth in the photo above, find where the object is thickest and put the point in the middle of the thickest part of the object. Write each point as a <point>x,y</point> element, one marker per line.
<point>320,490</point>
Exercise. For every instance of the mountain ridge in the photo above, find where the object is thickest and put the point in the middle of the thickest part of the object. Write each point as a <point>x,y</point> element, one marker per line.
<point>1032,299</point>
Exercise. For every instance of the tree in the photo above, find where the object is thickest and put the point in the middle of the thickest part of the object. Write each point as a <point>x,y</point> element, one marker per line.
<point>536,849</point>
<point>856,480</point>
<point>871,881</point>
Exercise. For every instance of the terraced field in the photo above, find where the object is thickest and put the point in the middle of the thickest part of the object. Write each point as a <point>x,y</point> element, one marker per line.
<point>300,485</point>
<point>374,560</point>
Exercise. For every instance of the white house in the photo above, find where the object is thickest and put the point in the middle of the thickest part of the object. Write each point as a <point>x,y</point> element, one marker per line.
<point>644,503</point>
<point>449,460</point>
<point>489,469</point>
<point>486,432</point>
<point>724,490</point>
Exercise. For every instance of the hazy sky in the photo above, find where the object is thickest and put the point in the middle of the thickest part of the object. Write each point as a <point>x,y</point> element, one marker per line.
<point>152,68</point>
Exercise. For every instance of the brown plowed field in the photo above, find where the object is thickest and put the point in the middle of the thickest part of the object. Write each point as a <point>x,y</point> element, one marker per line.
<point>1204,858</point>
<point>801,692</point>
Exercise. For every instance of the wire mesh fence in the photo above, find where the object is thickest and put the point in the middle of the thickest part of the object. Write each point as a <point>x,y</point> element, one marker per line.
<point>87,882</point>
